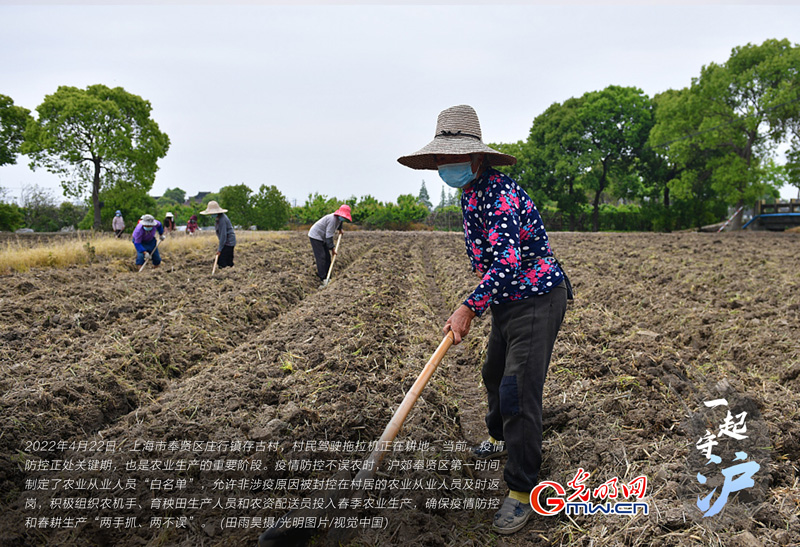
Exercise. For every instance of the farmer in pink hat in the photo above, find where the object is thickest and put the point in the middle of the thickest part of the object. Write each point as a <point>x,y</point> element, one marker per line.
<point>522,283</point>
<point>321,236</point>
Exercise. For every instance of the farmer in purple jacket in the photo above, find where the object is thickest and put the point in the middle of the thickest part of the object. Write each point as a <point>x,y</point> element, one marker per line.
<point>144,239</point>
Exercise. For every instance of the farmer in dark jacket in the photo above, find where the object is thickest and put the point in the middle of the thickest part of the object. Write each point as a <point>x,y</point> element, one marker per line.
<point>169,223</point>
<point>225,233</point>
<point>144,239</point>
<point>321,236</point>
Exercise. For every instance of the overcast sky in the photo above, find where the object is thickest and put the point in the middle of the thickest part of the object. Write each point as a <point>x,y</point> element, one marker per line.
<point>325,98</point>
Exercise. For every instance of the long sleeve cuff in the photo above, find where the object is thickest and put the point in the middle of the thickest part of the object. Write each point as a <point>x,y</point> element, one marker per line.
<point>478,306</point>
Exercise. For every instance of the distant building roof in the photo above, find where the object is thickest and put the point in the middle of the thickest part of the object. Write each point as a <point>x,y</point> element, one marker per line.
<point>197,199</point>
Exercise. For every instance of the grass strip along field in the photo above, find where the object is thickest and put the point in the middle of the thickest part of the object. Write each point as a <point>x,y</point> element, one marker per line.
<point>20,254</point>
<point>172,366</point>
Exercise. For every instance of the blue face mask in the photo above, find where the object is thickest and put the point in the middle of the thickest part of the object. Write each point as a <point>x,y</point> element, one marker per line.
<point>147,228</point>
<point>457,175</point>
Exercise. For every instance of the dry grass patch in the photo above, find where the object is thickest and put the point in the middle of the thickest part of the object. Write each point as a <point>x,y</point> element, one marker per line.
<point>92,247</point>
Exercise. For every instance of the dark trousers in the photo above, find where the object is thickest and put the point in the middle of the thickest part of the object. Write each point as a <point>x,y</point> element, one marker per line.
<point>225,257</point>
<point>520,345</point>
<point>322,256</point>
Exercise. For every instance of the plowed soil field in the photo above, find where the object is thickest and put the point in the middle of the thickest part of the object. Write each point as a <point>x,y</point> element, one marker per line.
<point>175,408</point>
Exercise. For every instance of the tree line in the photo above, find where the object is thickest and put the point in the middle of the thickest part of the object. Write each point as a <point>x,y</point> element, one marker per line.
<point>613,159</point>
<point>267,209</point>
<point>619,159</point>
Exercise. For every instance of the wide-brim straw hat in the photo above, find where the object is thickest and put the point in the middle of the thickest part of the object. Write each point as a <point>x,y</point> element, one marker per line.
<point>213,208</point>
<point>458,131</point>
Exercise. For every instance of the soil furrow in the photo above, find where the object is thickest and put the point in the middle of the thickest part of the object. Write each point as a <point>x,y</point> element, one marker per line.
<point>660,324</point>
<point>112,347</point>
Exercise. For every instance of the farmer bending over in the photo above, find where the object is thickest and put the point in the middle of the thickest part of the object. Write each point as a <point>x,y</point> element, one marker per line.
<point>225,233</point>
<point>522,283</point>
<point>191,226</point>
<point>144,239</point>
<point>321,236</point>
<point>169,223</point>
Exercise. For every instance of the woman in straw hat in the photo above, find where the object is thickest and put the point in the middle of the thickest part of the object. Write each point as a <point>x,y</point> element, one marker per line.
<point>523,285</point>
<point>169,223</point>
<point>321,236</point>
<point>144,239</point>
<point>225,233</point>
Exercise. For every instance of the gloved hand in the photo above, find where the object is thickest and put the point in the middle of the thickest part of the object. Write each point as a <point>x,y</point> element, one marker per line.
<point>146,256</point>
<point>161,237</point>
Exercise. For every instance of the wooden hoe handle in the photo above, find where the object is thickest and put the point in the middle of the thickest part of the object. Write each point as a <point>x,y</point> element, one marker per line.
<point>151,255</point>
<point>400,415</point>
<point>335,251</point>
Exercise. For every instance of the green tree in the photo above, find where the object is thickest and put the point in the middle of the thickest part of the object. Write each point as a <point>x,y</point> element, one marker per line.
<point>176,195</point>
<point>13,120</point>
<point>211,196</point>
<point>423,198</point>
<point>398,216</point>
<point>40,209</point>
<point>616,122</point>
<point>315,207</point>
<point>165,203</point>
<point>659,170</point>
<point>686,164</point>
<point>410,209</point>
<point>270,209</point>
<point>207,220</point>
<point>70,214</point>
<point>94,138</point>
<point>42,213</point>
<point>236,199</point>
<point>130,199</point>
<point>453,198</point>
<point>181,213</point>
<point>793,165</point>
<point>552,160</point>
<point>449,218</point>
<point>11,217</point>
<point>736,115</point>
<point>524,171</point>
<point>366,207</point>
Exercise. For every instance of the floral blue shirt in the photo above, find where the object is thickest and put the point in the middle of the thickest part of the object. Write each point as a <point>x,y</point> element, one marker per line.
<point>506,243</point>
